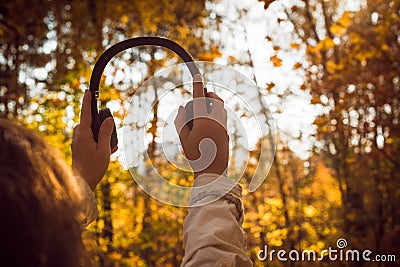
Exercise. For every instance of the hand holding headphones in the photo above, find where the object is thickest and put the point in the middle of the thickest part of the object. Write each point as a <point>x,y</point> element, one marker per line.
<point>205,140</point>
<point>95,138</point>
<point>90,159</point>
<point>99,116</point>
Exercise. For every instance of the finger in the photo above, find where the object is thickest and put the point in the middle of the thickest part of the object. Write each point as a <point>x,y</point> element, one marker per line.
<point>105,133</point>
<point>114,150</point>
<point>76,129</point>
<point>218,110</point>
<point>217,103</point>
<point>180,124</point>
<point>199,104</point>
<point>86,115</point>
<point>214,96</point>
<point>198,90</point>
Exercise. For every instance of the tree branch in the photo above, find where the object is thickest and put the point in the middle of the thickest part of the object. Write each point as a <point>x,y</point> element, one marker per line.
<point>311,21</point>
<point>12,28</point>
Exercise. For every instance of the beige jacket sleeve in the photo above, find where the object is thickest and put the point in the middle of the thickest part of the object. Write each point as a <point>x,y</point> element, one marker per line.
<point>213,233</point>
<point>87,202</point>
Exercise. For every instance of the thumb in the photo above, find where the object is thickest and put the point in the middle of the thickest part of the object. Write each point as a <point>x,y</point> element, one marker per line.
<point>105,132</point>
<point>180,124</point>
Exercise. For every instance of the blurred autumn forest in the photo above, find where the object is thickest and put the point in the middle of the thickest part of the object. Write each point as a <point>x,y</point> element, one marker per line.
<point>347,187</point>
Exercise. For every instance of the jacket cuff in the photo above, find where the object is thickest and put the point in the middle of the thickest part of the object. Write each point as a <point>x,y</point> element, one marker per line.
<point>87,202</point>
<point>208,188</point>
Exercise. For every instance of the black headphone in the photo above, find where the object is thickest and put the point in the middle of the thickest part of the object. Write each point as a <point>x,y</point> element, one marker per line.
<point>99,116</point>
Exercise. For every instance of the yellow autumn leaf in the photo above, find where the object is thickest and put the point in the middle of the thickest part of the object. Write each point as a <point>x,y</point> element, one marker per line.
<point>309,211</point>
<point>320,121</point>
<point>114,94</point>
<point>298,65</point>
<point>326,44</point>
<point>124,19</point>
<point>340,26</point>
<point>295,46</point>
<point>232,59</point>
<point>270,86</point>
<point>211,55</point>
<point>384,47</point>
<point>337,29</point>
<point>333,67</point>
<point>355,38</point>
<point>266,3</point>
<point>276,61</point>
<point>311,50</point>
<point>346,18</point>
<point>316,100</point>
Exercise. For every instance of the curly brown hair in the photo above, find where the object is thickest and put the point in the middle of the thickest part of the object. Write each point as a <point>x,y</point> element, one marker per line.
<point>40,220</point>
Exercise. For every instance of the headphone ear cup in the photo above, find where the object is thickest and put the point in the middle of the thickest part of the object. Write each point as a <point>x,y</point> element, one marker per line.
<point>104,114</point>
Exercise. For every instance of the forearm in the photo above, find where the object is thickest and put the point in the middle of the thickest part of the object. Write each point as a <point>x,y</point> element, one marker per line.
<point>212,233</point>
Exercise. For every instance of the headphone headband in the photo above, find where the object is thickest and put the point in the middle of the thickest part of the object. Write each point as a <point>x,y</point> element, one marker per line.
<point>99,117</point>
<point>130,43</point>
